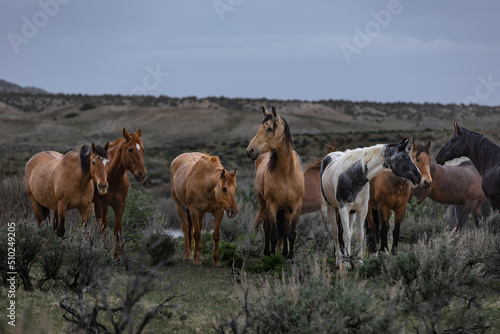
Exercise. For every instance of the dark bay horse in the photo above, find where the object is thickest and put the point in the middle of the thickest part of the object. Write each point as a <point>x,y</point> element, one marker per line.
<point>64,182</point>
<point>484,154</point>
<point>125,154</point>
<point>279,182</point>
<point>345,189</point>
<point>199,185</point>
<point>459,186</point>
<point>390,193</point>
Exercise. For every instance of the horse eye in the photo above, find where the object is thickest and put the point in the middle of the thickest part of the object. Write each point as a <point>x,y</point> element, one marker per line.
<point>130,150</point>
<point>224,189</point>
<point>418,160</point>
<point>269,129</point>
<point>93,162</point>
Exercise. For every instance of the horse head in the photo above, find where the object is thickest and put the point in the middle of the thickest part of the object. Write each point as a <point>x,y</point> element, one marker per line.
<point>270,135</point>
<point>400,162</point>
<point>98,167</point>
<point>132,155</point>
<point>454,148</point>
<point>422,158</point>
<point>225,192</point>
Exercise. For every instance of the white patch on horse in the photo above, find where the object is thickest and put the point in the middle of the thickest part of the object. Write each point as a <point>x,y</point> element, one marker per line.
<point>138,147</point>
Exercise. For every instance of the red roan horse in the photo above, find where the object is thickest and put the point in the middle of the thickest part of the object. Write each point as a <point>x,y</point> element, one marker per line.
<point>126,154</point>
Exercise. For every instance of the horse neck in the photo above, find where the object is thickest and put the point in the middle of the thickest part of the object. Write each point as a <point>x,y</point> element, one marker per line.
<point>374,165</point>
<point>286,159</point>
<point>78,174</point>
<point>483,153</point>
<point>116,169</point>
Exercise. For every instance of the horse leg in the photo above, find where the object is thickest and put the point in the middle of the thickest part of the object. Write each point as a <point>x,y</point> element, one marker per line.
<point>61,213</point>
<point>371,232</point>
<point>384,218</point>
<point>332,214</point>
<point>186,230</point>
<point>197,223</point>
<point>99,211</point>
<point>218,215</point>
<point>460,213</point>
<point>292,218</point>
<point>398,219</point>
<point>273,234</point>
<point>360,233</point>
<point>118,209</point>
<point>345,219</point>
<point>40,212</point>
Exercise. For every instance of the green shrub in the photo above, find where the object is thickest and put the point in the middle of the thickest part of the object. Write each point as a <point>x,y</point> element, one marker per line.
<point>160,247</point>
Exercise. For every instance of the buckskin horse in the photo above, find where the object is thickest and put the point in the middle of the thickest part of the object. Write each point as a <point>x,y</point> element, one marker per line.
<point>279,182</point>
<point>345,189</point>
<point>390,193</point>
<point>199,185</point>
<point>125,154</point>
<point>64,182</point>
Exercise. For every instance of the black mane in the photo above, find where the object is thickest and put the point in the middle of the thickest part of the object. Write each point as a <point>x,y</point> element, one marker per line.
<point>85,156</point>
<point>288,140</point>
<point>486,152</point>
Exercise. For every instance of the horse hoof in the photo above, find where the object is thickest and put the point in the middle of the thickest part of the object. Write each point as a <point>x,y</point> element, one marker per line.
<point>217,264</point>
<point>197,262</point>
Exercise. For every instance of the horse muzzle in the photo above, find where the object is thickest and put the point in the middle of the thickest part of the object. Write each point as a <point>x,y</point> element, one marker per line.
<point>102,188</point>
<point>140,176</point>
<point>231,213</point>
<point>252,153</point>
<point>426,184</point>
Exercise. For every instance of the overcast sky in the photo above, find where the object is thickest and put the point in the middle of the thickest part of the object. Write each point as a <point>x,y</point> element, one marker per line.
<point>386,51</point>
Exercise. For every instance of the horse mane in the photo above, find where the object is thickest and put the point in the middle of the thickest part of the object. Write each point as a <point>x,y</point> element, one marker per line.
<point>422,149</point>
<point>364,154</point>
<point>288,140</point>
<point>84,154</point>
<point>485,149</point>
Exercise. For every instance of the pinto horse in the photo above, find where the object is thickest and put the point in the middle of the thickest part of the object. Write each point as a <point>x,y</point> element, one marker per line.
<point>279,182</point>
<point>389,193</point>
<point>64,182</point>
<point>199,185</point>
<point>126,154</point>
<point>466,195</point>
<point>484,154</point>
<point>345,188</point>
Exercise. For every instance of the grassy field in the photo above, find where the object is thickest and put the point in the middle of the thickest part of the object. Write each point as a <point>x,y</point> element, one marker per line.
<point>438,281</point>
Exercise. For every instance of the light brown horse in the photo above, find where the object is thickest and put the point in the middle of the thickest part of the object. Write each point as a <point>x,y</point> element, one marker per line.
<point>126,154</point>
<point>390,193</point>
<point>199,185</point>
<point>64,182</point>
<point>279,182</point>
<point>456,185</point>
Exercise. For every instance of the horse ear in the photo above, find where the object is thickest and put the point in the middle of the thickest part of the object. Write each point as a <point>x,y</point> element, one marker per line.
<point>222,173</point>
<point>264,111</point>
<point>457,128</point>
<point>428,145</point>
<point>106,146</point>
<point>125,134</point>
<point>275,114</point>
<point>139,133</point>
<point>415,145</point>
<point>234,172</point>
<point>403,144</point>
<point>92,148</point>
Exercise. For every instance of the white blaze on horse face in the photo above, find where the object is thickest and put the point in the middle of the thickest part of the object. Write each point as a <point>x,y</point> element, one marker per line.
<point>104,161</point>
<point>138,147</point>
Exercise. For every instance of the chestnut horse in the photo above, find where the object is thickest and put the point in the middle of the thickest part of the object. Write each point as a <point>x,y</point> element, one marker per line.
<point>484,154</point>
<point>126,154</point>
<point>345,188</point>
<point>279,183</point>
<point>390,193</point>
<point>64,182</point>
<point>199,185</point>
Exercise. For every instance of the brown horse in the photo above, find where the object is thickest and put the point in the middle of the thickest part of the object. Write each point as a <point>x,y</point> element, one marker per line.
<point>389,193</point>
<point>64,182</point>
<point>456,185</point>
<point>199,185</point>
<point>126,154</point>
<point>279,182</point>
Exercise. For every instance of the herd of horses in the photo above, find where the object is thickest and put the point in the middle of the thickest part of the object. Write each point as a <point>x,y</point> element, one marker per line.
<point>356,189</point>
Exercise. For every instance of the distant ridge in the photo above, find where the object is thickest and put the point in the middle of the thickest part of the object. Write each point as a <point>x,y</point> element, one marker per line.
<point>8,87</point>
